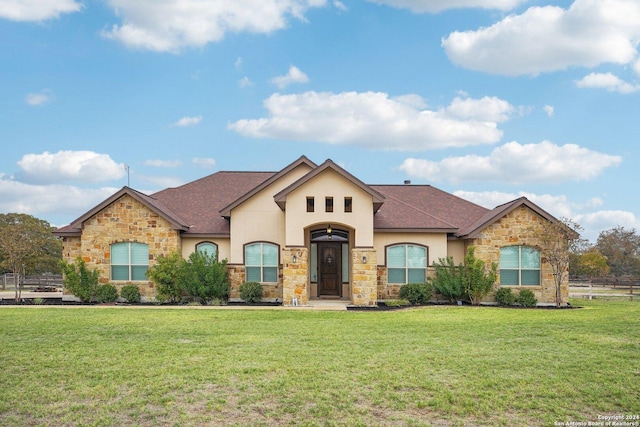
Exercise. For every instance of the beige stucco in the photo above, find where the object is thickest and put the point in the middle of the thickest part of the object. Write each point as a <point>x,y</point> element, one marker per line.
<point>329,183</point>
<point>189,246</point>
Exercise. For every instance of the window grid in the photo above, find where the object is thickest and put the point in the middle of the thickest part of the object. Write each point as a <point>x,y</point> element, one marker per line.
<point>261,262</point>
<point>310,204</point>
<point>348,204</point>
<point>519,266</point>
<point>328,204</point>
<point>406,263</point>
<point>129,261</point>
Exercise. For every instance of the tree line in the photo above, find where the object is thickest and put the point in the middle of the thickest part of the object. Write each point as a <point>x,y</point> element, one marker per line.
<point>616,253</point>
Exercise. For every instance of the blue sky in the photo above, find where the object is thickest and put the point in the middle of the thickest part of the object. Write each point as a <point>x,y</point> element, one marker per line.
<point>487,99</point>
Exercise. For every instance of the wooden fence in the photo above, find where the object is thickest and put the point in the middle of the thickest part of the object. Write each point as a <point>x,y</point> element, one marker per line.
<point>47,282</point>
<point>604,287</point>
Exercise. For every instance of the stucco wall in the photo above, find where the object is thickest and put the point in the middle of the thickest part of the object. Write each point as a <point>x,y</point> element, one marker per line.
<point>189,246</point>
<point>329,184</point>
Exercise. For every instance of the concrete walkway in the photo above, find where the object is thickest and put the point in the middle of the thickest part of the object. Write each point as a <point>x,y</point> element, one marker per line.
<point>314,304</point>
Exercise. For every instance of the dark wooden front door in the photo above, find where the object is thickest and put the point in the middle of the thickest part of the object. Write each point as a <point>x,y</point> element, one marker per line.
<point>330,262</point>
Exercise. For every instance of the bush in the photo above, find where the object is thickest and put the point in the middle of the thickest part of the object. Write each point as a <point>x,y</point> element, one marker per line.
<point>526,298</point>
<point>477,280</point>
<point>448,279</point>
<point>79,281</point>
<point>416,293</point>
<point>131,293</point>
<point>106,293</point>
<point>205,278</point>
<point>504,296</point>
<point>397,303</point>
<point>166,275</point>
<point>251,292</point>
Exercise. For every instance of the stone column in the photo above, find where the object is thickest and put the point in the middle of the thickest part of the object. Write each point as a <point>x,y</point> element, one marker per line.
<point>364,282</point>
<point>295,275</point>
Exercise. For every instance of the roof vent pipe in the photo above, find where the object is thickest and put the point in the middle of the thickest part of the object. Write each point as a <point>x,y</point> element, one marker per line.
<point>407,182</point>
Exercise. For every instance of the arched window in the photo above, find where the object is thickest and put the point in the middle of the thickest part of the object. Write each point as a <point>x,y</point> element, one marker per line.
<point>519,266</point>
<point>129,261</point>
<point>211,249</point>
<point>406,263</point>
<point>261,262</point>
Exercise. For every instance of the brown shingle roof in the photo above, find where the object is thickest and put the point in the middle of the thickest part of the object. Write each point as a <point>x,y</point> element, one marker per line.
<point>423,207</point>
<point>199,202</point>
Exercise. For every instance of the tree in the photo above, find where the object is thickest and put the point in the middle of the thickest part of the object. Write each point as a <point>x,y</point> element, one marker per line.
<point>621,248</point>
<point>591,263</point>
<point>27,245</point>
<point>477,279</point>
<point>556,240</point>
<point>447,280</point>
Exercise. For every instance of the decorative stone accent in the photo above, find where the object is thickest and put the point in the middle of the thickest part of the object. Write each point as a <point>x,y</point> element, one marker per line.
<point>125,220</point>
<point>295,275</point>
<point>516,229</point>
<point>236,278</point>
<point>364,281</point>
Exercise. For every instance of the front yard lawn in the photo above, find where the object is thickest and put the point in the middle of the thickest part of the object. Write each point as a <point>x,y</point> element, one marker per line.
<point>436,365</point>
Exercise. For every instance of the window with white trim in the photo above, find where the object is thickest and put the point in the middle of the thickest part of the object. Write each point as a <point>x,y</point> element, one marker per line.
<point>129,261</point>
<point>261,262</point>
<point>406,263</point>
<point>211,249</point>
<point>519,266</point>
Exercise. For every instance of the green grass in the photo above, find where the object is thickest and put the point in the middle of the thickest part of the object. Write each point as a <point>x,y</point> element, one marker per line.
<point>427,366</point>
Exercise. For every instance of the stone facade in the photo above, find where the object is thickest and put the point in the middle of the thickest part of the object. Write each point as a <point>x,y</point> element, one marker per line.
<point>125,220</point>
<point>364,280</point>
<point>518,228</point>
<point>295,276</point>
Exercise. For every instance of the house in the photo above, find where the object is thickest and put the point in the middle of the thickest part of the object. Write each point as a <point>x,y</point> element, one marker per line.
<point>309,231</point>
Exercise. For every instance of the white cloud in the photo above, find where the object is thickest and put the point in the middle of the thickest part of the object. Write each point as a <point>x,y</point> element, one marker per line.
<point>204,162</point>
<point>39,99</point>
<point>515,163</point>
<point>188,121</point>
<point>435,6</point>
<point>170,25</point>
<point>83,166</point>
<point>369,119</point>
<point>339,5</point>
<point>490,109</point>
<point>36,10</point>
<point>596,222</point>
<point>49,200</point>
<point>245,82</point>
<point>549,110</point>
<point>607,81</point>
<point>163,163</point>
<point>549,38</point>
<point>238,64</point>
<point>294,75</point>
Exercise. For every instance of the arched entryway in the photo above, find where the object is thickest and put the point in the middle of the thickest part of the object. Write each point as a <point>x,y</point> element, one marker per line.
<point>329,259</point>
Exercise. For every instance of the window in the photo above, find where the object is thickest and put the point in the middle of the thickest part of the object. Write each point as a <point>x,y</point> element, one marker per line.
<point>211,249</point>
<point>129,261</point>
<point>348,204</point>
<point>261,262</point>
<point>310,204</point>
<point>328,204</point>
<point>407,264</point>
<point>519,266</point>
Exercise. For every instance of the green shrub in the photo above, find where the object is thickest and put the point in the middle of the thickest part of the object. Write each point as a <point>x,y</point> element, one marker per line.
<point>397,303</point>
<point>106,293</point>
<point>526,298</point>
<point>79,281</point>
<point>131,293</point>
<point>504,296</point>
<point>477,280</point>
<point>167,276</point>
<point>205,278</point>
<point>447,279</point>
<point>416,293</point>
<point>251,292</point>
